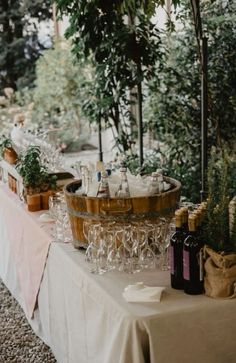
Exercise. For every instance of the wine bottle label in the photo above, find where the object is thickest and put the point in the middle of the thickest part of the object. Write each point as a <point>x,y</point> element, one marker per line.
<point>171,260</point>
<point>98,176</point>
<point>103,193</point>
<point>186,265</point>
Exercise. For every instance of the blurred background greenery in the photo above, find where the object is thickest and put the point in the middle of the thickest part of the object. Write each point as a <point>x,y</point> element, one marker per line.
<point>64,86</point>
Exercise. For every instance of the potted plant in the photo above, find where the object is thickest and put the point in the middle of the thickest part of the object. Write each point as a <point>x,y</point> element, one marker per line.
<point>220,234</point>
<point>36,178</point>
<point>48,186</point>
<point>7,151</point>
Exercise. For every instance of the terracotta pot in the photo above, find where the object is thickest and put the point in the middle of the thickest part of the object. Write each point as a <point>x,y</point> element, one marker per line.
<point>10,182</point>
<point>33,202</point>
<point>45,198</point>
<point>14,185</point>
<point>10,155</point>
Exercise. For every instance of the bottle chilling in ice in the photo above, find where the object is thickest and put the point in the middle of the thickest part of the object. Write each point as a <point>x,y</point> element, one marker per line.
<point>123,189</point>
<point>103,188</point>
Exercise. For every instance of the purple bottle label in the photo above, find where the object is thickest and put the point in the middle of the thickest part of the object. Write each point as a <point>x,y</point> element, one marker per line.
<point>171,252</point>
<point>186,265</point>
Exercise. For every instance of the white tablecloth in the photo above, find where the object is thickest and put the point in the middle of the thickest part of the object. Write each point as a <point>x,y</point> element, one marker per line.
<point>84,318</point>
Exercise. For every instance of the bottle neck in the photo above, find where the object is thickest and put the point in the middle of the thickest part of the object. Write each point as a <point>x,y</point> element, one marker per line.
<point>178,222</point>
<point>185,227</point>
<point>103,189</point>
<point>123,190</point>
<point>193,233</point>
<point>124,176</point>
<point>104,181</point>
<point>185,221</point>
<point>178,228</point>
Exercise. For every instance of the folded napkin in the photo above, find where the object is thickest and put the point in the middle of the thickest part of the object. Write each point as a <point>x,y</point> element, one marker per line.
<point>142,293</point>
<point>46,218</point>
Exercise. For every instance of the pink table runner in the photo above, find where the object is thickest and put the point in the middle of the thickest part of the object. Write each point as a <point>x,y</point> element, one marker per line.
<point>29,243</point>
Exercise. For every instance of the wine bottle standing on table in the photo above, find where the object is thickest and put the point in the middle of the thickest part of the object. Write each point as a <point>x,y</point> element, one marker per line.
<point>176,253</point>
<point>192,260</point>
<point>184,213</point>
<point>203,209</point>
<point>198,214</point>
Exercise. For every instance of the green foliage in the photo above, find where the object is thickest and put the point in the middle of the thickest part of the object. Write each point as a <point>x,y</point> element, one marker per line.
<point>221,26</point>
<point>34,174</point>
<point>19,43</point>
<point>5,143</point>
<point>124,46</point>
<point>174,103</point>
<point>60,90</point>
<point>153,160</point>
<point>221,184</point>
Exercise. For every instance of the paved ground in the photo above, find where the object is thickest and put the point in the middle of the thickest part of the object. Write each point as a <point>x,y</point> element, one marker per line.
<point>18,343</point>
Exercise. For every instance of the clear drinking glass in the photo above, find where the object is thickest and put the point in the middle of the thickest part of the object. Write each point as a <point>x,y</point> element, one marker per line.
<point>58,211</point>
<point>164,242</point>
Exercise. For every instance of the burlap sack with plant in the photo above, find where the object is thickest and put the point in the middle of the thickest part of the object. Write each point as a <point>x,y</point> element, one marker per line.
<point>220,274</point>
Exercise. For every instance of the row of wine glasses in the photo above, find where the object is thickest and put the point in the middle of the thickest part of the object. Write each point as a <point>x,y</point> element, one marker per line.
<point>129,247</point>
<point>58,211</point>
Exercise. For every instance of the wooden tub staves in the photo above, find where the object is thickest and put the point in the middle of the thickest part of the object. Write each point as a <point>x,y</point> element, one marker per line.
<point>81,208</point>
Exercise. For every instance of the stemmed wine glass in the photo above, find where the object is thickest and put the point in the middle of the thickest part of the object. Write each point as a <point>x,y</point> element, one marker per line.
<point>147,256</point>
<point>54,205</point>
<point>164,242</point>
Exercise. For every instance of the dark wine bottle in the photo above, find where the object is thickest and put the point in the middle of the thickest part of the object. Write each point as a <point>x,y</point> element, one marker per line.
<point>204,222</point>
<point>192,260</point>
<point>184,211</point>
<point>199,217</point>
<point>176,253</point>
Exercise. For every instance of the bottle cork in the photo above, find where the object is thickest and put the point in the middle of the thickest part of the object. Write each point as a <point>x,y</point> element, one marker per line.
<point>192,222</point>
<point>178,218</point>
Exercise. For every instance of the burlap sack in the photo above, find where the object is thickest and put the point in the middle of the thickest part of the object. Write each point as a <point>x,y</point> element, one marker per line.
<point>220,274</point>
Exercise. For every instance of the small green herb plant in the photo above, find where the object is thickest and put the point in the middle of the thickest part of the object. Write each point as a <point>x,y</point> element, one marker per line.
<point>5,143</point>
<point>35,176</point>
<point>221,189</point>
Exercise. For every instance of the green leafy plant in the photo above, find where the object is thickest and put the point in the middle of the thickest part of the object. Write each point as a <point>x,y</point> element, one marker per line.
<point>35,175</point>
<point>60,89</point>
<point>153,160</point>
<point>5,143</point>
<point>20,44</point>
<point>123,45</point>
<point>221,189</point>
<point>173,109</point>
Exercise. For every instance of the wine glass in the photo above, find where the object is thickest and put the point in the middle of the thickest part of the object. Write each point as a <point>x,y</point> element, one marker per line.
<point>164,242</point>
<point>86,225</point>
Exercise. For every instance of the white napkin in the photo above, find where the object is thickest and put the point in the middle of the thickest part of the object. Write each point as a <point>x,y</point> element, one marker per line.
<point>46,218</point>
<point>142,293</point>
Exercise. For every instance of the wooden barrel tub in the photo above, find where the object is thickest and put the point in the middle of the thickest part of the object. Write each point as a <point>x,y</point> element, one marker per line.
<point>82,208</point>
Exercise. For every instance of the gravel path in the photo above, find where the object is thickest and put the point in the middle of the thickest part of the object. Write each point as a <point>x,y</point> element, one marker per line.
<point>18,343</point>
